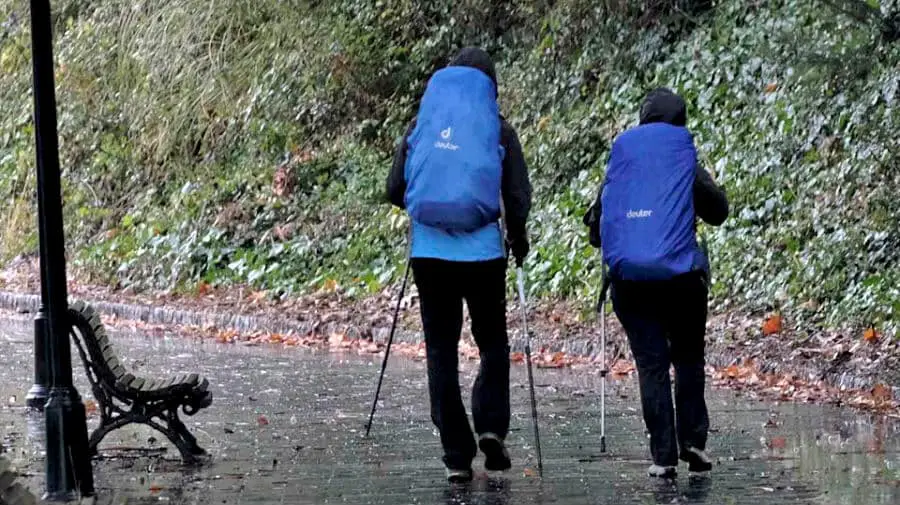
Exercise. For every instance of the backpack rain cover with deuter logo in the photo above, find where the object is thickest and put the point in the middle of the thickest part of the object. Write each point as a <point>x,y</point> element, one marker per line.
<point>454,166</point>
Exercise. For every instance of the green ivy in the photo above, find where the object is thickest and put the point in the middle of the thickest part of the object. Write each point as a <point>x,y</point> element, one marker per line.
<point>175,119</point>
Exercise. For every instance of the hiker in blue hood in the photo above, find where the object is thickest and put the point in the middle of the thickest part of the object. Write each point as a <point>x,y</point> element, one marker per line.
<point>645,218</point>
<point>460,173</point>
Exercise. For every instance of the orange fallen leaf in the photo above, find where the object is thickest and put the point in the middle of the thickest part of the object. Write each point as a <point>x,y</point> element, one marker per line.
<point>771,87</point>
<point>262,421</point>
<point>528,472</point>
<point>517,357</point>
<point>778,443</point>
<point>155,488</point>
<point>90,407</point>
<point>870,335</point>
<point>773,325</point>
<point>203,288</point>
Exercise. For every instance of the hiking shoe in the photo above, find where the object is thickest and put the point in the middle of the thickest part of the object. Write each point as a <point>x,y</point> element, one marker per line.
<point>663,472</point>
<point>495,453</point>
<point>459,476</point>
<point>698,461</point>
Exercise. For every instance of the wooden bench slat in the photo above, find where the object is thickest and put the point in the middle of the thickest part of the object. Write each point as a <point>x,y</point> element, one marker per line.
<point>118,371</point>
<point>137,383</point>
<point>109,356</point>
<point>95,321</point>
<point>125,380</point>
<point>178,380</point>
<point>168,382</point>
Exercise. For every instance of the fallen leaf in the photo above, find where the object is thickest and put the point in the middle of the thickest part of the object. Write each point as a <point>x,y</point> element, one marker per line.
<point>517,357</point>
<point>772,325</point>
<point>870,335</point>
<point>90,407</point>
<point>155,488</point>
<point>777,443</point>
<point>528,472</point>
<point>336,339</point>
<point>262,421</point>
<point>771,87</point>
<point>203,288</point>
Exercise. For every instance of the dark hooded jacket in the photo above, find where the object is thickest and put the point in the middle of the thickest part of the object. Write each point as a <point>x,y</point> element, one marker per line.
<point>710,201</point>
<point>515,185</point>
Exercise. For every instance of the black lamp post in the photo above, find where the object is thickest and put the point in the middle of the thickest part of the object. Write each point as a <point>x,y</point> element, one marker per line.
<point>68,464</point>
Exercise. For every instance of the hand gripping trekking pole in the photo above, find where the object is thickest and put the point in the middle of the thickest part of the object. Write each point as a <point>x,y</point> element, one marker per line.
<point>520,278</point>
<point>604,371</point>
<point>387,350</point>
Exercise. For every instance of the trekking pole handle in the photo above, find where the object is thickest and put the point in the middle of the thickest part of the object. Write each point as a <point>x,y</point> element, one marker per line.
<point>520,283</point>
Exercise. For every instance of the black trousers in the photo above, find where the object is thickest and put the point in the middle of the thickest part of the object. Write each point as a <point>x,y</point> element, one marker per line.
<point>443,285</point>
<point>666,326</point>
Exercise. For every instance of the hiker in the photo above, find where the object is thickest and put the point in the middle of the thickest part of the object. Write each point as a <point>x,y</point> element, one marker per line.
<point>645,217</point>
<point>458,169</point>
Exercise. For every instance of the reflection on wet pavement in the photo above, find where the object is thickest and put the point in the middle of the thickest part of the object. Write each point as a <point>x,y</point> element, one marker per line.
<point>286,427</point>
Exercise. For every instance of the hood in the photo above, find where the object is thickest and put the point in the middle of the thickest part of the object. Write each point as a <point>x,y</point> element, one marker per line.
<point>664,106</point>
<point>476,58</point>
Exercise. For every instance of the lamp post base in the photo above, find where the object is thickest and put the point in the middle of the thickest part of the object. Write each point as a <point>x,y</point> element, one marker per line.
<point>68,462</point>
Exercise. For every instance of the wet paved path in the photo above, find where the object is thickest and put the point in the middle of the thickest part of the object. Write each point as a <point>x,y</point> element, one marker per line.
<point>286,427</point>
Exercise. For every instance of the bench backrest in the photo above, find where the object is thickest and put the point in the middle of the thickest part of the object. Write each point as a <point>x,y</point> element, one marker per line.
<point>88,329</point>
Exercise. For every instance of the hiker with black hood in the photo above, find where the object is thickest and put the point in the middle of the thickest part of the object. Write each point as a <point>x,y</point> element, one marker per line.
<point>645,218</point>
<point>460,173</point>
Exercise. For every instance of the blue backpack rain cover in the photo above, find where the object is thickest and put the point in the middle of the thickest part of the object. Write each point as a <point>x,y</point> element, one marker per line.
<point>647,224</point>
<point>454,167</point>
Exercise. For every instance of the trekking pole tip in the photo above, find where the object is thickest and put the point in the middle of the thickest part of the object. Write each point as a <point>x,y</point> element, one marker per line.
<point>603,444</point>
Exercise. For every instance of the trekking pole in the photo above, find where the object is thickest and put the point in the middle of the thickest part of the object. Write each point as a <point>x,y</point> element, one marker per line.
<point>604,370</point>
<point>387,350</point>
<point>520,278</point>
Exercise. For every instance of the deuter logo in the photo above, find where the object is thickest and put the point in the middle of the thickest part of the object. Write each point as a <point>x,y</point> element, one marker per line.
<point>639,214</point>
<point>446,144</point>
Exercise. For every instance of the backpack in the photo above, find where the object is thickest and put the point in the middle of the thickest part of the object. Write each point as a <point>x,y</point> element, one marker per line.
<point>454,167</point>
<point>647,223</point>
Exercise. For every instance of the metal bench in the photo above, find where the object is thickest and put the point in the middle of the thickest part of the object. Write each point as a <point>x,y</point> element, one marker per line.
<point>12,492</point>
<point>124,398</point>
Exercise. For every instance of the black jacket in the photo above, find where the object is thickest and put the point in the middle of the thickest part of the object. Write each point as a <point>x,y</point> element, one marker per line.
<point>515,185</point>
<point>710,201</point>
